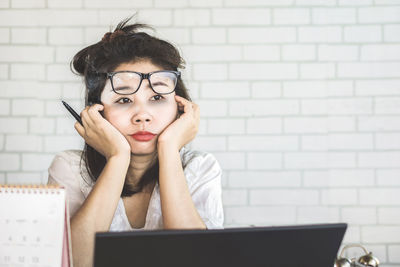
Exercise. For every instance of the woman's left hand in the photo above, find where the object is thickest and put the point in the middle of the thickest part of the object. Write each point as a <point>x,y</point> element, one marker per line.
<point>184,129</point>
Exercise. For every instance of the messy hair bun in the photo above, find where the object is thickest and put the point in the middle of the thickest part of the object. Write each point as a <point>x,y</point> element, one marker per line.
<point>127,43</point>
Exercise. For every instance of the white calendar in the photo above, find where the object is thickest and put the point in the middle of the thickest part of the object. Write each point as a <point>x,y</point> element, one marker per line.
<point>34,226</point>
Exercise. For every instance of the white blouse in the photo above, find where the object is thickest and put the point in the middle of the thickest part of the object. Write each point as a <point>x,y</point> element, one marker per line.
<point>201,169</point>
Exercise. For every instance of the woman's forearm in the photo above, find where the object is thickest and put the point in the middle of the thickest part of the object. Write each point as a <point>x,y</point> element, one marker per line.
<point>178,209</point>
<point>97,211</point>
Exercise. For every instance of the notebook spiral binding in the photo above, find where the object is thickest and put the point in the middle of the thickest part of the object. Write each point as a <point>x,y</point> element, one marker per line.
<point>30,189</point>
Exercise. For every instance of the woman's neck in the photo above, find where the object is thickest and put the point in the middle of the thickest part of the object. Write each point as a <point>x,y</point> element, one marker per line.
<point>138,165</point>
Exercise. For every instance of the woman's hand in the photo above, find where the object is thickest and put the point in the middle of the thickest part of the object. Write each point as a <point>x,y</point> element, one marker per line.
<point>101,134</point>
<point>184,129</point>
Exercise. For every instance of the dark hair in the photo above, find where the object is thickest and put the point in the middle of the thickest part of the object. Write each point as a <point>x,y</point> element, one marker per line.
<point>125,44</point>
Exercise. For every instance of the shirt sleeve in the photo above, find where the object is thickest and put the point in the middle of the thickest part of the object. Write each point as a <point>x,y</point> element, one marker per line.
<point>206,192</point>
<point>60,172</point>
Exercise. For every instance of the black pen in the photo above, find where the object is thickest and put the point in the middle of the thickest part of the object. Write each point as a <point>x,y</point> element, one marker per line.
<point>76,116</point>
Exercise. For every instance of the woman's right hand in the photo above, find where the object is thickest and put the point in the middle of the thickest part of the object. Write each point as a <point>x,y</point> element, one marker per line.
<point>101,134</point>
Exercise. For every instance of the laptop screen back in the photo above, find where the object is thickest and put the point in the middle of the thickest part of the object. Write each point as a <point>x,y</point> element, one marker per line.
<point>283,246</point>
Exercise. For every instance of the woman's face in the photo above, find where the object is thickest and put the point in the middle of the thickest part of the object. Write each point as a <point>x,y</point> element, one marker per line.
<point>142,111</point>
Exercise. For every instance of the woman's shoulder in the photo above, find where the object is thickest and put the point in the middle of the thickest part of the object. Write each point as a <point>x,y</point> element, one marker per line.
<point>69,167</point>
<point>71,156</point>
<point>193,158</point>
<point>200,164</point>
<point>66,159</point>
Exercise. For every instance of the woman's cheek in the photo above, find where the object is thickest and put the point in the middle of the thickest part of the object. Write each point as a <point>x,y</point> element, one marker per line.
<point>172,112</point>
<point>115,119</point>
<point>117,116</point>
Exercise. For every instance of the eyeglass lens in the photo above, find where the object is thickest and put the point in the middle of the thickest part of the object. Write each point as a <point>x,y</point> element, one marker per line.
<point>126,83</point>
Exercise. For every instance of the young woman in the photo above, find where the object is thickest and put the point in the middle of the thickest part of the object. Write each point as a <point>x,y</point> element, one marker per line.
<point>135,172</point>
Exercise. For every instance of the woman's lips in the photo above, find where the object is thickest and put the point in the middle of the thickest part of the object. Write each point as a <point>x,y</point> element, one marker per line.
<point>143,137</point>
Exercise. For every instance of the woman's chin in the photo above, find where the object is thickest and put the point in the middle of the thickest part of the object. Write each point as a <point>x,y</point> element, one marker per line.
<point>143,148</point>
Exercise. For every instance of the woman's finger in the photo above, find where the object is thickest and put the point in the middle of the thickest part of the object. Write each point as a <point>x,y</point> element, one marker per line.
<point>197,110</point>
<point>86,121</point>
<point>79,128</point>
<point>94,112</point>
<point>186,104</point>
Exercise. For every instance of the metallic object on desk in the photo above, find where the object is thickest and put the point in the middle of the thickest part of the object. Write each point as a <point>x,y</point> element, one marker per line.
<point>343,262</point>
<point>367,260</point>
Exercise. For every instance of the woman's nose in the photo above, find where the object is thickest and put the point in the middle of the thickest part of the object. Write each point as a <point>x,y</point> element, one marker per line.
<point>141,117</point>
<point>141,113</point>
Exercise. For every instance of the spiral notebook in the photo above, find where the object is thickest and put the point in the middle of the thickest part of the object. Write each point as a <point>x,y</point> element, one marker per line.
<point>34,226</point>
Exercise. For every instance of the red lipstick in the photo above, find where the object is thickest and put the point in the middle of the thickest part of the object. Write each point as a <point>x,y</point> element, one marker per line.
<point>143,136</point>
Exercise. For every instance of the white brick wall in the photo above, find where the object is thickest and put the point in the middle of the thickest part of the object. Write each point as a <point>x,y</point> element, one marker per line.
<point>300,101</point>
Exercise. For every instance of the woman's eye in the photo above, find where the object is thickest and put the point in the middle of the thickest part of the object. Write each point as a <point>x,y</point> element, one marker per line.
<point>158,97</point>
<point>124,100</point>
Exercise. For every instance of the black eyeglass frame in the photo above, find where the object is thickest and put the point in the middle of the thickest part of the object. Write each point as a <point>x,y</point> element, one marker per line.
<point>143,76</point>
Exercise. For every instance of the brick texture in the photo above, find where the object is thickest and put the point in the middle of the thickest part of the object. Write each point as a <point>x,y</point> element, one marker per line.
<point>299,99</point>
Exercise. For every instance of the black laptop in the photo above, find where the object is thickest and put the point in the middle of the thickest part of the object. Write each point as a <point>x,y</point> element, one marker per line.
<point>281,246</point>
